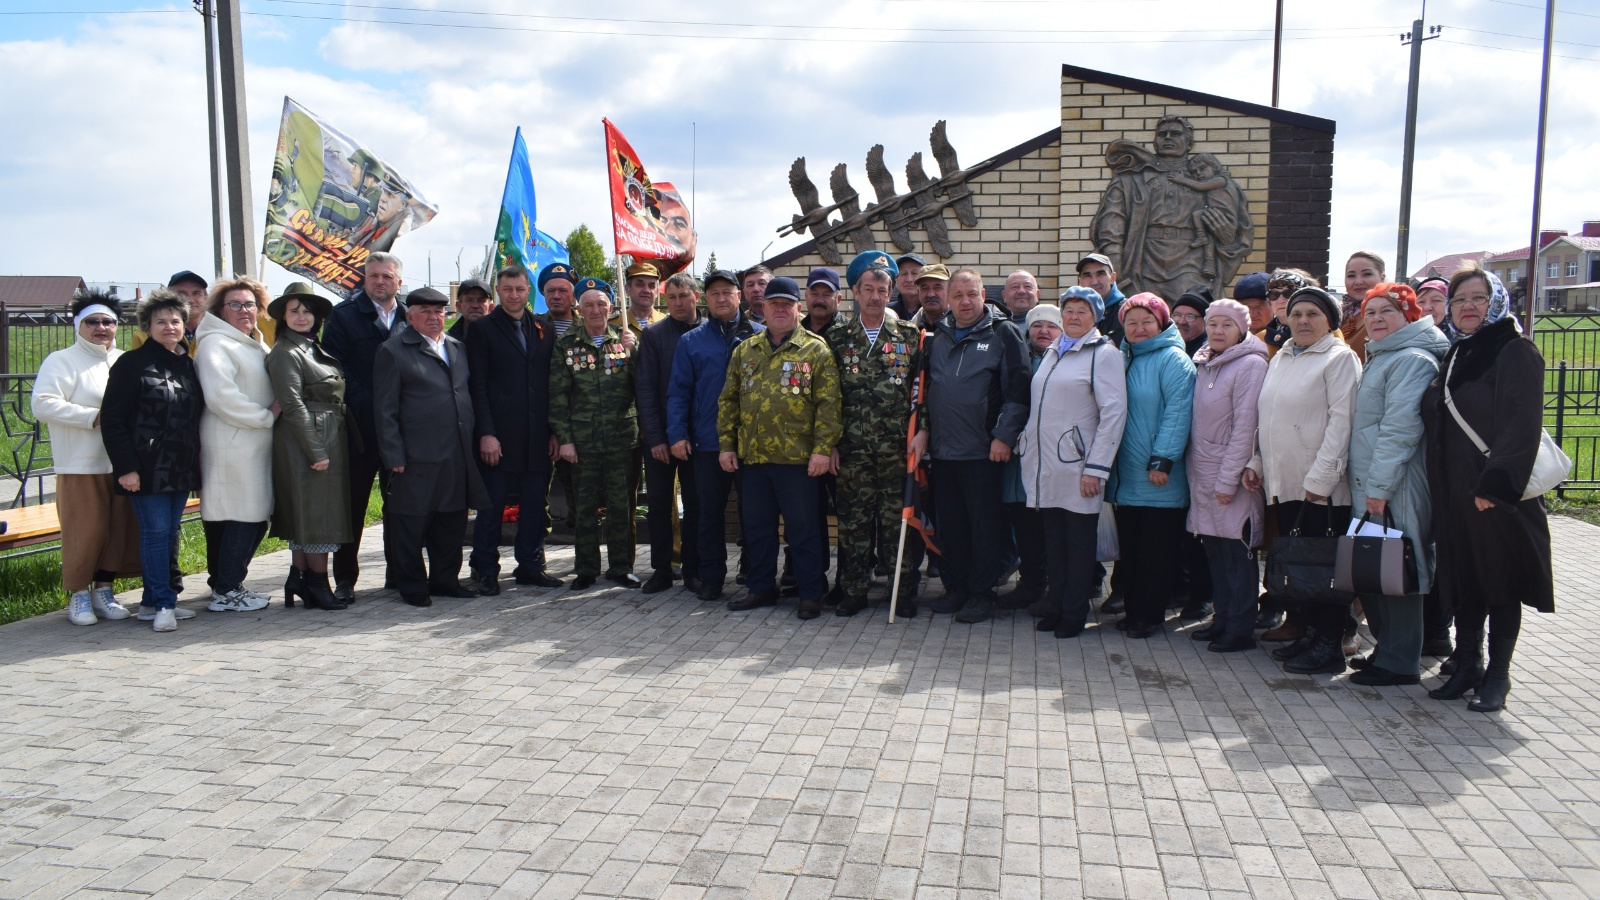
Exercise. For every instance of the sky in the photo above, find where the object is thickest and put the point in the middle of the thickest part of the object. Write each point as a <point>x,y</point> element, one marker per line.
<point>104,161</point>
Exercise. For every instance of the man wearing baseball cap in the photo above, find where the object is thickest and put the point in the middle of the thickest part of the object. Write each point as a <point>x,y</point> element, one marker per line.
<point>192,288</point>
<point>821,314</point>
<point>906,299</point>
<point>643,287</point>
<point>1095,270</point>
<point>778,424</point>
<point>933,287</point>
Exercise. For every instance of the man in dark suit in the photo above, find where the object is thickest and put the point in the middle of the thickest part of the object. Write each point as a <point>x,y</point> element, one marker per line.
<point>352,334</point>
<point>422,411</point>
<point>508,351</point>
<point>654,371</point>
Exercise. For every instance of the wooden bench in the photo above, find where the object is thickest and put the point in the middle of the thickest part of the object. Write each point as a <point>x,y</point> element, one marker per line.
<point>29,525</point>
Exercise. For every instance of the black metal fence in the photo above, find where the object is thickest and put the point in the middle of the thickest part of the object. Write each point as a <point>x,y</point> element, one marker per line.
<point>25,459</point>
<point>26,338</point>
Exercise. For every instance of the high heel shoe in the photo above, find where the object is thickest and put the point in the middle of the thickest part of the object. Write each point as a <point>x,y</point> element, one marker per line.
<point>294,584</point>
<point>1468,675</point>
<point>316,593</point>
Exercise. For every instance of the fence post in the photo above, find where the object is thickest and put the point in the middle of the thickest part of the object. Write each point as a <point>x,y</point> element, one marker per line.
<point>1561,411</point>
<point>5,338</point>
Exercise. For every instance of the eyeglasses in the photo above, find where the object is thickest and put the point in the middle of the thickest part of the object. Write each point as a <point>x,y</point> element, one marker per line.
<point>100,323</point>
<point>1278,293</point>
<point>236,306</point>
<point>1187,317</point>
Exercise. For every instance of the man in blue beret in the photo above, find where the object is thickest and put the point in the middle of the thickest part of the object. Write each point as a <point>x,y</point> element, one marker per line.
<point>555,283</point>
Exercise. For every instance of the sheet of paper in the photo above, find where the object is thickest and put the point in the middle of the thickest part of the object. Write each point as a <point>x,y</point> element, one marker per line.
<point>1370,528</point>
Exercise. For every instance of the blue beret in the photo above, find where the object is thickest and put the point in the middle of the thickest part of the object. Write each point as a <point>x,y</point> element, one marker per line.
<point>555,270</point>
<point>1088,295</point>
<point>593,284</point>
<point>1252,287</point>
<point>871,259</point>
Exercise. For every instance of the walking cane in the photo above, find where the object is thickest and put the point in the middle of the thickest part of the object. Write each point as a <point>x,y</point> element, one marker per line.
<point>894,595</point>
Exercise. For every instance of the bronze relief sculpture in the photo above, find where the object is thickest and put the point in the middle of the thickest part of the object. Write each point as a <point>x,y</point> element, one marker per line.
<point>1171,219</point>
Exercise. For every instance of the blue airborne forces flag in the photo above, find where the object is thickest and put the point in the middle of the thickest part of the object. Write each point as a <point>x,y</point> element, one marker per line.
<point>517,238</point>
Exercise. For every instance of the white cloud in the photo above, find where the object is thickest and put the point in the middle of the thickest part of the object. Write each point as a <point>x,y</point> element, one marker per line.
<point>104,167</point>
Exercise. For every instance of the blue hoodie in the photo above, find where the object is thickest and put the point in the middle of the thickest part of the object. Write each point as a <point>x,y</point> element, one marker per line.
<point>699,369</point>
<point>1160,403</point>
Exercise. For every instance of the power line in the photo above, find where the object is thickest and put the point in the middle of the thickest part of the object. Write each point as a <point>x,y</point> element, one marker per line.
<point>1520,37</point>
<point>1444,40</point>
<point>1559,12</point>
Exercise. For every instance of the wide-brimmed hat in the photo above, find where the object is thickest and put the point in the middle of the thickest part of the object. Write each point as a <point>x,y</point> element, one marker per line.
<point>319,305</point>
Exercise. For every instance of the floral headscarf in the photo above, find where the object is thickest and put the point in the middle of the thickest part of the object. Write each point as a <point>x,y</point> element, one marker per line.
<point>1499,308</point>
<point>1401,295</point>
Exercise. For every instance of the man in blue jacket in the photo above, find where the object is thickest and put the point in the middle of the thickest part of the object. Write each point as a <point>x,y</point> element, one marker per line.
<point>699,369</point>
<point>352,334</point>
<point>976,404</point>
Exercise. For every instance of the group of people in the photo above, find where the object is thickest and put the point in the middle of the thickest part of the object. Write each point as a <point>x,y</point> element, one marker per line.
<point>1188,436</point>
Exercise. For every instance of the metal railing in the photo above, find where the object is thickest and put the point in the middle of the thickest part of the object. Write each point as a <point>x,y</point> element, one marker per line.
<point>1574,338</point>
<point>26,338</point>
<point>25,459</point>
<point>1572,415</point>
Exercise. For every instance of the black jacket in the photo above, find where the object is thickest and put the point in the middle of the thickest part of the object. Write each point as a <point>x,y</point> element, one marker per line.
<point>352,334</point>
<point>653,371</point>
<point>977,387</point>
<point>511,387</point>
<point>150,419</point>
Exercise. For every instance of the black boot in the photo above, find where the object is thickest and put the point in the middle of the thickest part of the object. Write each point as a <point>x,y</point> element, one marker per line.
<point>1505,622</point>
<point>1296,647</point>
<point>1325,656</point>
<point>1468,673</point>
<point>292,585</point>
<point>316,593</point>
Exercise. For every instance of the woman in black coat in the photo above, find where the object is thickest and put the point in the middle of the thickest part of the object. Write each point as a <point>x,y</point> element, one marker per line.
<point>1493,547</point>
<point>150,423</point>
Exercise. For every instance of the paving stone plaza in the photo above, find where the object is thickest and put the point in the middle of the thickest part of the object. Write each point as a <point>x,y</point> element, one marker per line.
<point>609,744</point>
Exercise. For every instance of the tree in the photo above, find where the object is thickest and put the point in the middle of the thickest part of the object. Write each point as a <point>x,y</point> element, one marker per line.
<point>711,266</point>
<point>588,257</point>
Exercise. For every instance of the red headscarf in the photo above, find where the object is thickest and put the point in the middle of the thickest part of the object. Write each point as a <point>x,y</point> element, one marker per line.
<point>1147,301</point>
<point>1401,295</point>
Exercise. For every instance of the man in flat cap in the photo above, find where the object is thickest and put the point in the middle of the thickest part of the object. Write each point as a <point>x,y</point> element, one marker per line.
<point>596,428</point>
<point>643,287</point>
<point>877,356</point>
<point>422,411</point>
<point>473,302</point>
<point>509,350</point>
<point>778,424</point>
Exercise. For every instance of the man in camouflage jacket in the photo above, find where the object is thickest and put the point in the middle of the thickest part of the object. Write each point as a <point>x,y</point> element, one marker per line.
<point>593,419</point>
<point>877,357</point>
<point>778,423</point>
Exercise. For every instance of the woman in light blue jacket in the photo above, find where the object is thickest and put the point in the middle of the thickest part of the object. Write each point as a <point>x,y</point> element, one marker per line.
<point>1388,475</point>
<point>1150,487</point>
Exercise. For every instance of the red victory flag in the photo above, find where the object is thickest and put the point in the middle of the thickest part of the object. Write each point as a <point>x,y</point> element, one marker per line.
<point>649,219</point>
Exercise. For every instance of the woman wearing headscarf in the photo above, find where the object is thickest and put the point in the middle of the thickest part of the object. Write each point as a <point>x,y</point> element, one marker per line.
<point>1222,438</point>
<point>1493,546</point>
<point>310,470</point>
<point>151,427</point>
<point>1151,488</point>
<point>1431,296</point>
<point>235,440</point>
<point>1075,421</point>
<point>99,532</point>
<point>1303,450</point>
<point>1388,478</point>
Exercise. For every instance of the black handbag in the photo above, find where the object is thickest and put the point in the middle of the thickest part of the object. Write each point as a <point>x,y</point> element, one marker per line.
<point>1300,567</point>
<point>1371,564</point>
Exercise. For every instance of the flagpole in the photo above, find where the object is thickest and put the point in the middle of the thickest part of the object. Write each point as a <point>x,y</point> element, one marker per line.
<point>899,557</point>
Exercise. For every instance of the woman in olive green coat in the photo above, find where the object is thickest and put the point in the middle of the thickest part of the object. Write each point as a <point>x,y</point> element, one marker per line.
<point>310,471</point>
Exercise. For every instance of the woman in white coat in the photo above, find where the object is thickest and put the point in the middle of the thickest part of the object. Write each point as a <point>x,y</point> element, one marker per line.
<point>235,439</point>
<point>1078,406</point>
<point>99,533</point>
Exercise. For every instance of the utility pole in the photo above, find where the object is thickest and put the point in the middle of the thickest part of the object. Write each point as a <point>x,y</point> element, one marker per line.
<point>219,260</point>
<point>1414,38</point>
<point>236,135</point>
<point>1277,53</point>
<point>1538,165</point>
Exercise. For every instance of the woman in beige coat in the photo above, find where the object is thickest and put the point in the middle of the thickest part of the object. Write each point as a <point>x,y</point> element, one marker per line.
<point>235,440</point>
<point>1302,453</point>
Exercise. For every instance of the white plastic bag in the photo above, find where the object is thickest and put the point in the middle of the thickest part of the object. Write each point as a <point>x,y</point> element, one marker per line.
<point>1105,545</point>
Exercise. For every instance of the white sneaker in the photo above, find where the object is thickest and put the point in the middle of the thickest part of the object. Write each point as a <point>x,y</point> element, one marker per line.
<point>235,601</point>
<point>148,613</point>
<point>106,605</point>
<point>80,609</point>
<point>166,620</point>
<point>256,595</point>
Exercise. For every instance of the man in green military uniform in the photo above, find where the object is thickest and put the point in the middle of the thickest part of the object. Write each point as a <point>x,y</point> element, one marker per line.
<point>593,419</point>
<point>877,357</point>
<point>778,424</point>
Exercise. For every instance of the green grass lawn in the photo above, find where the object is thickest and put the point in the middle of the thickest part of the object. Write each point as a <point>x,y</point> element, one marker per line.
<point>31,585</point>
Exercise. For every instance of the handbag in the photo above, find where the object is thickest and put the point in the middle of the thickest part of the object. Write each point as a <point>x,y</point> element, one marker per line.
<point>1374,564</point>
<point>1550,466</point>
<point>1300,566</point>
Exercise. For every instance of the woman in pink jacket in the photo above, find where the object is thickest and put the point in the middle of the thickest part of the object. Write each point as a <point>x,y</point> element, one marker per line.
<point>1224,513</point>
